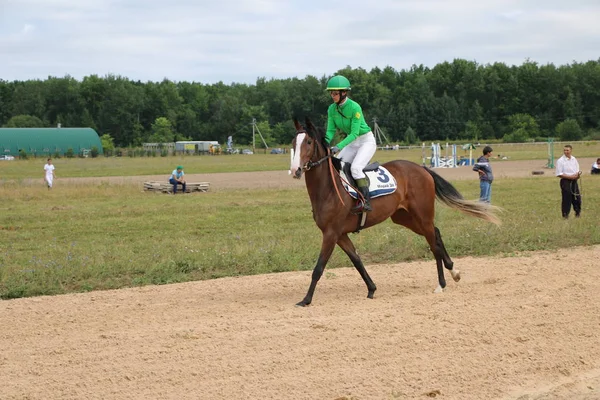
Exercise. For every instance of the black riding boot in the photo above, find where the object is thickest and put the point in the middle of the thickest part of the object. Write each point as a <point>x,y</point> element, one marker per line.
<point>365,192</point>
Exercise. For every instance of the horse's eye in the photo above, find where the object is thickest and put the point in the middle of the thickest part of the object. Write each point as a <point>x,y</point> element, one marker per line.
<point>309,142</point>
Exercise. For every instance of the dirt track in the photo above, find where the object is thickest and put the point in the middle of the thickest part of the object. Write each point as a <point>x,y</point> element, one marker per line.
<point>514,328</point>
<point>525,327</point>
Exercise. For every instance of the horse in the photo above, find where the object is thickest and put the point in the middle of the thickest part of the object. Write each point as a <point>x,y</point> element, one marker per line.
<point>411,205</point>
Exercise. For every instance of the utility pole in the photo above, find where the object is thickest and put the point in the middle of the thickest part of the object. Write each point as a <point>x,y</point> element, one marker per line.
<point>379,133</point>
<point>254,130</point>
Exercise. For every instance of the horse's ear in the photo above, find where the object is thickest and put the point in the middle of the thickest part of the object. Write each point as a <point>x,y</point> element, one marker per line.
<point>310,127</point>
<point>309,124</point>
<point>297,124</point>
<point>314,132</point>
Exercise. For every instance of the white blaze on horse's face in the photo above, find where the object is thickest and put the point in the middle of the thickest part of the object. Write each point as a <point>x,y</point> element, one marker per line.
<point>295,165</point>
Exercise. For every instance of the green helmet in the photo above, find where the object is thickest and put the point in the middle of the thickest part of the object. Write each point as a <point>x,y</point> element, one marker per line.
<point>338,82</point>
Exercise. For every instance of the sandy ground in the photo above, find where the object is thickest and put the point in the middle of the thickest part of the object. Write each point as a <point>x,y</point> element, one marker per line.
<point>525,327</point>
<point>522,327</point>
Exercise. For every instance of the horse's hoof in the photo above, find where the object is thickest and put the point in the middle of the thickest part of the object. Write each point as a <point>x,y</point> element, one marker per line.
<point>438,289</point>
<point>302,304</point>
<point>370,295</point>
<point>455,275</point>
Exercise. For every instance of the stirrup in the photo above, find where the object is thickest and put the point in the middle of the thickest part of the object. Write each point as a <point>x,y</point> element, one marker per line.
<point>362,206</point>
<point>365,203</point>
<point>358,207</point>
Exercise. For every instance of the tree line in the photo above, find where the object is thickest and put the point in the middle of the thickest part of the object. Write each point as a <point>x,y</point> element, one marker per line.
<point>453,101</point>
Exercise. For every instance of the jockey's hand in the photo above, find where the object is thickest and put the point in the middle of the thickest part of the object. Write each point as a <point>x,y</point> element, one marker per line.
<point>335,150</point>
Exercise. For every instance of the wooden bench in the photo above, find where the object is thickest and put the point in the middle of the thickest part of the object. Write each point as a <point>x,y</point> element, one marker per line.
<point>166,187</point>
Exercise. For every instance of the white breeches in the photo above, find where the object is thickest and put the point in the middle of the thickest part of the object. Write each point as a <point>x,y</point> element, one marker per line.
<point>359,153</point>
<point>49,179</point>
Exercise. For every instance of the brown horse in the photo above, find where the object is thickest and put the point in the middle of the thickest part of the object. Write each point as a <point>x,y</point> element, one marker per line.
<point>412,205</point>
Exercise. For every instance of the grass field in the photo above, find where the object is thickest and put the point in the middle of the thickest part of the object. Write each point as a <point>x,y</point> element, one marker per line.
<point>90,237</point>
<point>125,166</point>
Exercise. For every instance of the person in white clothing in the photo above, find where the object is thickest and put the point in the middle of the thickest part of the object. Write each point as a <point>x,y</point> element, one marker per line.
<point>596,167</point>
<point>358,146</point>
<point>567,169</point>
<point>49,174</point>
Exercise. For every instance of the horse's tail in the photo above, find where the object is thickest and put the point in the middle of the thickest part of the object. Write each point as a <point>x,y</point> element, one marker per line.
<point>448,194</point>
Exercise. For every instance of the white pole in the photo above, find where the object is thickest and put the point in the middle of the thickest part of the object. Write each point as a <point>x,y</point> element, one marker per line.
<point>253,141</point>
<point>454,159</point>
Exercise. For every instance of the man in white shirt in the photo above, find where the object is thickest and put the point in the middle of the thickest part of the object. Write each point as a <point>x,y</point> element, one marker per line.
<point>567,169</point>
<point>596,167</point>
<point>49,173</point>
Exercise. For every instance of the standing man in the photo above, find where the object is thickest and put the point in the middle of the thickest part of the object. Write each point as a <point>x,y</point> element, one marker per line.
<point>49,173</point>
<point>567,169</point>
<point>483,167</point>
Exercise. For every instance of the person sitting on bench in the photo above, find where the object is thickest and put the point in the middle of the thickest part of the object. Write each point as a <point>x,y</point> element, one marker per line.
<point>596,167</point>
<point>177,179</point>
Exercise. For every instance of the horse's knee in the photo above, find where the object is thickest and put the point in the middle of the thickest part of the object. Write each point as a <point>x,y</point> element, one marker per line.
<point>317,273</point>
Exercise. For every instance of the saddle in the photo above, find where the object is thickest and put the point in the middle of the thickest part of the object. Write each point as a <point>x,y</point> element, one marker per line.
<point>345,167</point>
<point>381,182</point>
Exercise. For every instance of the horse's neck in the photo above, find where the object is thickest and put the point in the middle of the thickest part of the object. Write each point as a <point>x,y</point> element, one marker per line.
<point>320,185</point>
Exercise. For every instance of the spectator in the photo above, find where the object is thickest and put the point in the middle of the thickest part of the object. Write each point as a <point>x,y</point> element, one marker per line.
<point>49,174</point>
<point>483,167</point>
<point>177,178</point>
<point>596,167</point>
<point>567,169</point>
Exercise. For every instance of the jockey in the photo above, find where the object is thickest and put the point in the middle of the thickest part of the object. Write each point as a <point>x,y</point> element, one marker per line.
<point>359,145</point>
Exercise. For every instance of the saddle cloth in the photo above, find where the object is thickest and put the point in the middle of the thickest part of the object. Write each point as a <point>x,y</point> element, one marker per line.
<point>381,182</point>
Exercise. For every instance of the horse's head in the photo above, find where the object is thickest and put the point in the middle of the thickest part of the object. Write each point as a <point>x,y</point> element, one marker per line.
<point>306,148</point>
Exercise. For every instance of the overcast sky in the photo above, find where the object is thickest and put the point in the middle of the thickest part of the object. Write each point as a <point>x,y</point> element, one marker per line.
<point>241,40</point>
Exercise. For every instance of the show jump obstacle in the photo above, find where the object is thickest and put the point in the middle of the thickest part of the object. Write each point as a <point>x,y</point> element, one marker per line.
<point>166,187</point>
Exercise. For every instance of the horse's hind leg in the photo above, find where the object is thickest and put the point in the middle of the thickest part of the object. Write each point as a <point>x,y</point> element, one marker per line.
<point>439,255</point>
<point>346,244</point>
<point>448,263</point>
<point>425,228</point>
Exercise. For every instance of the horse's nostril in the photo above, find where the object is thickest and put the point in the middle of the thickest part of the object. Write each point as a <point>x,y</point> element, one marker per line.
<point>298,173</point>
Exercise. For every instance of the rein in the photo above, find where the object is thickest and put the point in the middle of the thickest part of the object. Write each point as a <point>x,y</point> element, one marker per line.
<point>337,190</point>
<point>572,185</point>
<point>311,164</point>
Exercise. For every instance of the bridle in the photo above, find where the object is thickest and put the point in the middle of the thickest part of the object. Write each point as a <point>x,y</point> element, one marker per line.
<point>312,164</point>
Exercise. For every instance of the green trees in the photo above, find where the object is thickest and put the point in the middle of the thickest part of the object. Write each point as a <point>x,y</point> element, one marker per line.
<point>457,100</point>
<point>409,136</point>
<point>108,144</point>
<point>521,127</point>
<point>162,131</point>
<point>569,130</point>
<point>24,121</point>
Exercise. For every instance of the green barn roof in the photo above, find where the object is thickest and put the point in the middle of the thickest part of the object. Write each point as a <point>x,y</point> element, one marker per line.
<point>47,141</point>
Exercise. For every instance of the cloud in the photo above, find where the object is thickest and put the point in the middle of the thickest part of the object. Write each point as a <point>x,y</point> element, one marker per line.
<point>238,41</point>
<point>27,28</point>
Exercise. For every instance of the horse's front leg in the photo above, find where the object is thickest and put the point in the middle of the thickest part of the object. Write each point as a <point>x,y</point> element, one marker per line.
<point>346,244</point>
<point>327,247</point>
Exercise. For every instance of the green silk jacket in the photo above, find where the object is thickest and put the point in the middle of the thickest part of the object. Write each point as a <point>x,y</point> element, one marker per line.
<point>349,119</point>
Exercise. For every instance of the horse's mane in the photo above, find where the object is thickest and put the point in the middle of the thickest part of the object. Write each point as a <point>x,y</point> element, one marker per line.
<point>318,134</point>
